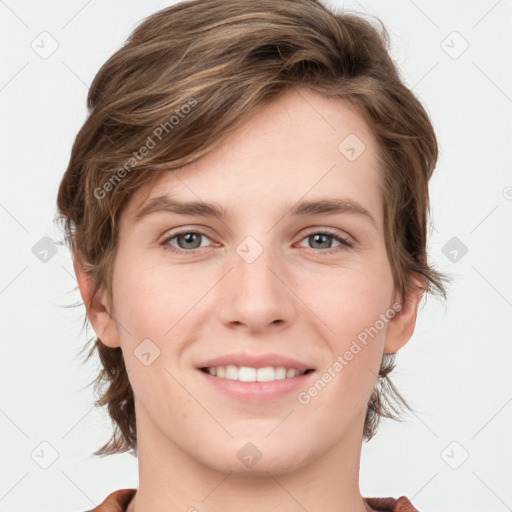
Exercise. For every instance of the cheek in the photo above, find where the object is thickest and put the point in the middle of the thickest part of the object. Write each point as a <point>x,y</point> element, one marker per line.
<point>152,314</point>
<point>151,301</point>
<point>348,300</point>
<point>351,304</point>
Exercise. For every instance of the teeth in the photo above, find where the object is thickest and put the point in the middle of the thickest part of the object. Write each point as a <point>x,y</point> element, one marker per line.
<point>248,374</point>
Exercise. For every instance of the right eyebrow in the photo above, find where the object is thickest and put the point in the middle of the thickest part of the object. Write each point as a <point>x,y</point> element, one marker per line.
<point>166,204</point>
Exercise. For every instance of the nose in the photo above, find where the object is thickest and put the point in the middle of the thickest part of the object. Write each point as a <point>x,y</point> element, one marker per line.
<point>256,295</point>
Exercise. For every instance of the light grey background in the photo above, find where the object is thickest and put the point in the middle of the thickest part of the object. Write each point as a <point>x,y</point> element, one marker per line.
<point>455,371</point>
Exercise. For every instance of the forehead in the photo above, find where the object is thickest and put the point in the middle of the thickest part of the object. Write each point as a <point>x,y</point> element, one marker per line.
<point>299,146</point>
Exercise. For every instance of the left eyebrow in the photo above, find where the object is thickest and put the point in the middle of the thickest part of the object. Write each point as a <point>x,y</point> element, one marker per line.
<point>322,206</point>
<point>328,206</point>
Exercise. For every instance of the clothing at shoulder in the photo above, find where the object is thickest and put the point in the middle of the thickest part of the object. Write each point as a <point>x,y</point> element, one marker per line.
<point>118,501</point>
<point>401,504</point>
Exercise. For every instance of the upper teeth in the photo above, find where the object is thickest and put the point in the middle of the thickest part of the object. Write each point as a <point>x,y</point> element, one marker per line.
<point>248,374</point>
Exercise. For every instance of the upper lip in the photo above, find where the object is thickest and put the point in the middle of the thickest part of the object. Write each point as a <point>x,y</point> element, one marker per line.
<point>256,361</point>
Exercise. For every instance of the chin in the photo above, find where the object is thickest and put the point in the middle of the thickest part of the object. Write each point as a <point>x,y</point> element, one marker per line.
<point>257,458</point>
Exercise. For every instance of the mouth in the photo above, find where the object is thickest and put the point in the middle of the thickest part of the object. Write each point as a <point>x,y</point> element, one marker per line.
<point>256,378</point>
<point>252,374</point>
<point>256,385</point>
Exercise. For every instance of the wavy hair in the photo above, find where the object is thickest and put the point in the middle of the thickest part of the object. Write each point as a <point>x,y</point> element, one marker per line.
<point>193,73</point>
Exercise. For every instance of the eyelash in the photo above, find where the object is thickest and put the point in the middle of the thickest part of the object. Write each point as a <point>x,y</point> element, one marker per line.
<point>343,241</point>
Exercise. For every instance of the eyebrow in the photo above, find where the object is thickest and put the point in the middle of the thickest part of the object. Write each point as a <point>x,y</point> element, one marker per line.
<point>321,206</point>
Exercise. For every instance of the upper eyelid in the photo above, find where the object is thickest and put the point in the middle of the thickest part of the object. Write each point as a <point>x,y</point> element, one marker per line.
<point>170,235</point>
<point>203,231</point>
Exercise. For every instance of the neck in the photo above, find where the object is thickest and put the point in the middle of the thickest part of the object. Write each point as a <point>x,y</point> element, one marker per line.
<point>171,479</point>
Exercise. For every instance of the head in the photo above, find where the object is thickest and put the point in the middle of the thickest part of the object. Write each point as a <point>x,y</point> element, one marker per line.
<point>254,106</point>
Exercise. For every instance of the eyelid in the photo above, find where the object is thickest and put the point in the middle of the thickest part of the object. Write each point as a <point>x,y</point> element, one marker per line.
<point>170,235</point>
<point>346,242</point>
<point>330,231</point>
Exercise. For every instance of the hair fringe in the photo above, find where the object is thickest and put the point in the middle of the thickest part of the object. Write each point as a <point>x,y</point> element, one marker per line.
<point>232,58</point>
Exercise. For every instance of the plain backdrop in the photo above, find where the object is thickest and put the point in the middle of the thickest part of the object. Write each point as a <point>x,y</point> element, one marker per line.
<point>452,454</point>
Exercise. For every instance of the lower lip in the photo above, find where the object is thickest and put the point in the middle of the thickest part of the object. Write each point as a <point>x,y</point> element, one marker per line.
<point>257,391</point>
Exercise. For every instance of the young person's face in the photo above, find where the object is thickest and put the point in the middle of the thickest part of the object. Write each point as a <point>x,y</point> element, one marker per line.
<point>257,283</point>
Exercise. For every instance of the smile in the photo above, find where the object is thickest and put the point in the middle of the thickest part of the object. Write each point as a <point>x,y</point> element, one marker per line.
<point>250,374</point>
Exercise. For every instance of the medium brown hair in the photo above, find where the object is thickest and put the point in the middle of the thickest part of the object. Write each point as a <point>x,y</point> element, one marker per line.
<point>194,72</point>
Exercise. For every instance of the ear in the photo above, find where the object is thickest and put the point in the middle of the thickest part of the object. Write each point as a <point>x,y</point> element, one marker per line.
<point>401,327</point>
<point>102,322</point>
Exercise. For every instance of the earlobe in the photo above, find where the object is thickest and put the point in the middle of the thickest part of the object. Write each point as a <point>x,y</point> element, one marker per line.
<point>401,326</point>
<point>97,310</point>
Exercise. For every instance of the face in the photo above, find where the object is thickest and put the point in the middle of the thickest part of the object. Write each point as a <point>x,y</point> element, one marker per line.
<point>271,283</point>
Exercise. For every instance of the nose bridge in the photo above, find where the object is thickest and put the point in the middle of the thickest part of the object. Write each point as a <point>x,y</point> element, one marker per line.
<point>255,266</point>
<point>259,296</point>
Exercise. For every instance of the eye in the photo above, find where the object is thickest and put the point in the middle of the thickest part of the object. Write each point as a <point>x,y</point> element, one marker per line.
<point>190,241</point>
<point>186,240</point>
<point>324,239</point>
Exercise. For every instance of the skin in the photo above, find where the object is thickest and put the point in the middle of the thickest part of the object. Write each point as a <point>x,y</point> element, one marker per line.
<point>293,299</point>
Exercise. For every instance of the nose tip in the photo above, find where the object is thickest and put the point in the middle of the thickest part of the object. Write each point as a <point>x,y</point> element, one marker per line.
<point>257,298</point>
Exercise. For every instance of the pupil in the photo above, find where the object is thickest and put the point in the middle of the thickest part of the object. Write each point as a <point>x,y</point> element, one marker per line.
<point>318,238</point>
<point>189,238</point>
